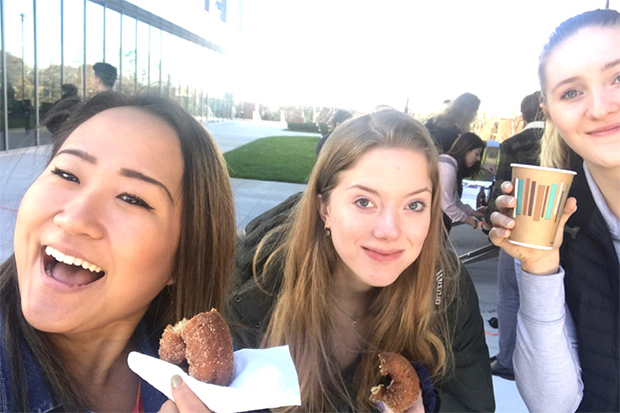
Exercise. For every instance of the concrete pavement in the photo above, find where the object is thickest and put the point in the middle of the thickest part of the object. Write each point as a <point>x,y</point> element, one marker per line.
<point>20,167</point>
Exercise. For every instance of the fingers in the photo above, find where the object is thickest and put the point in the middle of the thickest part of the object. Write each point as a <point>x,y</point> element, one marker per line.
<point>169,407</point>
<point>507,187</point>
<point>418,406</point>
<point>185,399</point>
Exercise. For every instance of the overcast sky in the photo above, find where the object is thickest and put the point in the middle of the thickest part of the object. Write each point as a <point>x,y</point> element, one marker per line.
<point>358,54</point>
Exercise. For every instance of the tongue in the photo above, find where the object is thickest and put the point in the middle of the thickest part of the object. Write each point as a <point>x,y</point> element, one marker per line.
<point>73,275</point>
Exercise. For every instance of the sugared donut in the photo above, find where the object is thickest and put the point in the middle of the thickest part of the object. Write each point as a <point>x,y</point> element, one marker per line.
<point>404,389</point>
<point>205,342</point>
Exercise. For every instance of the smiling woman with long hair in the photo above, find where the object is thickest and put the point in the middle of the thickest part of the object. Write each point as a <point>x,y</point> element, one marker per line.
<point>360,268</point>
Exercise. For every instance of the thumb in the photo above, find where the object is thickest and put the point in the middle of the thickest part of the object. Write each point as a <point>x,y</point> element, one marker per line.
<point>185,399</point>
<point>569,209</point>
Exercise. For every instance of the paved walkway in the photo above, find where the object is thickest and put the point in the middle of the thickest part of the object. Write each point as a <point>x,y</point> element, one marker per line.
<point>19,168</point>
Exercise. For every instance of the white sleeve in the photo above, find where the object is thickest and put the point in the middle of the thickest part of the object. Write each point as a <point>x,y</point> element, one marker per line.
<point>450,201</point>
<point>546,361</point>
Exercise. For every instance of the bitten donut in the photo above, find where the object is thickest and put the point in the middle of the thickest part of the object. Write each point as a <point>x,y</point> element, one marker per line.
<point>404,389</point>
<point>205,342</point>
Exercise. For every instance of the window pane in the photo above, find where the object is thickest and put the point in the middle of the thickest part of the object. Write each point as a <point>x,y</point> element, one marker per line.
<point>128,63</point>
<point>19,43</point>
<point>112,38</point>
<point>94,43</point>
<point>154,67</point>
<point>143,56</point>
<point>74,42</point>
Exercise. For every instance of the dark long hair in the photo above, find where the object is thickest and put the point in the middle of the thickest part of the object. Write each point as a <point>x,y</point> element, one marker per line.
<point>203,261</point>
<point>465,142</point>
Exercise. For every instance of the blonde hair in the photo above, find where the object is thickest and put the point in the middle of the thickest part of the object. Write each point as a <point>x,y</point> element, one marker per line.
<point>404,315</point>
<point>460,112</point>
<point>555,152</point>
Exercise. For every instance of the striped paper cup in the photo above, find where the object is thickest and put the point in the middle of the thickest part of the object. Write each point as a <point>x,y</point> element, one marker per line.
<point>541,193</point>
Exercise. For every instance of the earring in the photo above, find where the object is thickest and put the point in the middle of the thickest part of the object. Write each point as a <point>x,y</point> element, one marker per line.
<point>328,232</point>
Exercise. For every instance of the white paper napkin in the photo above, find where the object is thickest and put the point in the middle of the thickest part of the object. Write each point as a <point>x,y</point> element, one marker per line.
<point>261,379</point>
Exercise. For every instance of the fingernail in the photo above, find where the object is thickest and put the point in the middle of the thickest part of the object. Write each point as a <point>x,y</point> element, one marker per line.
<point>176,381</point>
<point>381,406</point>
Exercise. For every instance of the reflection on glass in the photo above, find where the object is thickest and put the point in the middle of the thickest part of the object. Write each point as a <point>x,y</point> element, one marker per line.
<point>154,73</point>
<point>19,43</point>
<point>112,38</point>
<point>94,43</point>
<point>74,43</point>
<point>142,64</point>
<point>128,58</point>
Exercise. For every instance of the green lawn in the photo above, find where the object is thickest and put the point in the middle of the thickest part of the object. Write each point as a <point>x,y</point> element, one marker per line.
<point>275,158</point>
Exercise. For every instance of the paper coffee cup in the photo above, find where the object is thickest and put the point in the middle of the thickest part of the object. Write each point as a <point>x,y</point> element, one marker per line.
<point>540,193</point>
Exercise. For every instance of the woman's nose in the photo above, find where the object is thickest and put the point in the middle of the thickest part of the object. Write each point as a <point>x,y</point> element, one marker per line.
<point>81,216</point>
<point>603,101</point>
<point>388,225</point>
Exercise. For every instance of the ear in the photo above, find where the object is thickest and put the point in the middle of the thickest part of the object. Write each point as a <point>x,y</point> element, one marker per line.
<point>546,112</point>
<point>171,280</point>
<point>323,210</point>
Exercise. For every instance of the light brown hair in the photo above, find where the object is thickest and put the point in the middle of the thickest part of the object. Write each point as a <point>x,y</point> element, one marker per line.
<point>404,314</point>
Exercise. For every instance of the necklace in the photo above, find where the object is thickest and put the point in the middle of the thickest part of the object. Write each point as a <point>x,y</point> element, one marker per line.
<point>353,319</point>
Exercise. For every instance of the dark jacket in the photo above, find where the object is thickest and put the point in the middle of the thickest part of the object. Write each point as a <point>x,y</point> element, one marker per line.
<point>592,294</point>
<point>444,137</point>
<point>523,148</point>
<point>40,395</point>
<point>468,388</point>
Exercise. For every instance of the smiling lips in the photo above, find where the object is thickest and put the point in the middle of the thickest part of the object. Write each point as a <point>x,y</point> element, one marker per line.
<point>383,256</point>
<point>69,270</point>
<point>605,130</point>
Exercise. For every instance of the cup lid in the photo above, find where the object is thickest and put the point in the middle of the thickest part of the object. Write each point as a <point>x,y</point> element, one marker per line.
<point>542,168</point>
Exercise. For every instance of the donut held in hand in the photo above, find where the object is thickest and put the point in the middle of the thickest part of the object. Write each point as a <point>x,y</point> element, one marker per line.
<point>205,342</point>
<point>403,390</point>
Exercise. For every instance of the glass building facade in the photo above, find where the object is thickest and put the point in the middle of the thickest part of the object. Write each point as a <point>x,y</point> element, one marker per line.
<point>48,43</point>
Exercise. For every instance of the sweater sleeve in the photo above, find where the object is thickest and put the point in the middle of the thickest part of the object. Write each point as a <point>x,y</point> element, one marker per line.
<point>468,387</point>
<point>546,361</point>
<point>450,201</point>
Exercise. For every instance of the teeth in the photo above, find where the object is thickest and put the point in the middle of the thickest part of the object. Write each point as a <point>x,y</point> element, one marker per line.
<point>67,259</point>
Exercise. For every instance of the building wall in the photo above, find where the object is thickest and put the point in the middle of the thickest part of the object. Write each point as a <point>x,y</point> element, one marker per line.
<point>47,43</point>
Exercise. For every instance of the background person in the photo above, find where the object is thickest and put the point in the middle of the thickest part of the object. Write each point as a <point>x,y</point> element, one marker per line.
<point>522,148</point>
<point>361,268</point>
<point>566,356</point>
<point>111,246</point>
<point>461,161</point>
<point>339,117</point>
<point>105,76</point>
<point>454,120</point>
<point>62,108</point>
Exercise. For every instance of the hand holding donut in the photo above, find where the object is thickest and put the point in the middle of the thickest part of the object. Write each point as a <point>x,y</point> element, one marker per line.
<point>534,261</point>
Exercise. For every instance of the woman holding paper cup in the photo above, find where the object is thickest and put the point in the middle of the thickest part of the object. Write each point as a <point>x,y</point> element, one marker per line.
<point>566,356</point>
<point>130,227</point>
<point>361,268</point>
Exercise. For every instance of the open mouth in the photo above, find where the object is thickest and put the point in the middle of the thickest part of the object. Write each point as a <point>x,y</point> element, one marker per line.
<point>69,270</point>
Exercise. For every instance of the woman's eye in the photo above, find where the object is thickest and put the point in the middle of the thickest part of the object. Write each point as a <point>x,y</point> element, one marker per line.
<point>363,202</point>
<point>134,200</point>
<point>416,206</point>
<point>67,176</point>
<point>570,94</point>
<point>617,80</point>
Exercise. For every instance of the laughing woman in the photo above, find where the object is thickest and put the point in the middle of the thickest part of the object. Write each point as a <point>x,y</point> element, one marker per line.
<point>130,227</point>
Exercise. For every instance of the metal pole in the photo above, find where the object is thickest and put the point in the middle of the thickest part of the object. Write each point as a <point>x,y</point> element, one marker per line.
<point>135,60</point>
<point>23,67</point>
<point>5,99</point>
<point>105,11</point>
<point>62,42</point>
<point>120,60</point>
<point>84,59</point>
<point>148,70</point>
<point>36,75</point>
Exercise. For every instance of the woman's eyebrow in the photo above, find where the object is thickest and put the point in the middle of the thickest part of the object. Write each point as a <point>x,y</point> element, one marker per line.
<point>611,64</point>
<point>80,154</point>
<point>132,173</point>
<point>375,192</point>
